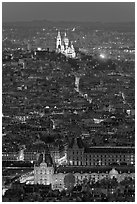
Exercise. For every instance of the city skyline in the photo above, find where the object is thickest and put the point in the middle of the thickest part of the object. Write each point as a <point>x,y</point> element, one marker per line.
<point>60,11</point>
<point>68,102</point>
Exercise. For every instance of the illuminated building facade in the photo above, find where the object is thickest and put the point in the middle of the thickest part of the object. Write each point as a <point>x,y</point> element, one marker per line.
<point>45,173</point>
<point>78,155</point>
<point>57,152</point>
<point>65,47</point>
<point>10,156</point>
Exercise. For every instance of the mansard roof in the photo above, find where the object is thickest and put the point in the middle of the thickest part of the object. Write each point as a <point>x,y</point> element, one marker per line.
<point>47,160</point>
<point>106,149</point>
<point>76,141</point>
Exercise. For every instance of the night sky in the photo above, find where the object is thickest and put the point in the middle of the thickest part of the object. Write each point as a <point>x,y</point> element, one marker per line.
<point>69,11</point>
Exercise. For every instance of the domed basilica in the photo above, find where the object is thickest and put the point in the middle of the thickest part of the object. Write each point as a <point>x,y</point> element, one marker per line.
<point>64,46</point>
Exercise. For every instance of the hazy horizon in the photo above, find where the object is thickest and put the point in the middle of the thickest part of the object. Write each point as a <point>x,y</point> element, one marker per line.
<point>67,21</point>
<point>69,11</point>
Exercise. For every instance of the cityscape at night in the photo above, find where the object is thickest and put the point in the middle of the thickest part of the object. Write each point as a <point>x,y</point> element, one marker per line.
<point>68,101</point>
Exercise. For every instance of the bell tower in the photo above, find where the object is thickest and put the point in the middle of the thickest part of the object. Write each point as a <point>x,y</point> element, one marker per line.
<point>58,42</point>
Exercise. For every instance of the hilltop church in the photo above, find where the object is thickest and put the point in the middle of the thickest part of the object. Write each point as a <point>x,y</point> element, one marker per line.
<point>64,46</point>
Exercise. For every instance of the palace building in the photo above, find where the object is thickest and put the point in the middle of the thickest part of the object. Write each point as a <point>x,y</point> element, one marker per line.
<point>79,155</point>
<point>51,165</point>
<point>31,153</point>
<point>76,154</point>
<point>93,163</point>
<point>47,174</point>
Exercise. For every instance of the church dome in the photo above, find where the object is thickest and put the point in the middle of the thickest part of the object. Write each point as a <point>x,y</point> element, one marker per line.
<point>65,39</point>
<point>113,172</point>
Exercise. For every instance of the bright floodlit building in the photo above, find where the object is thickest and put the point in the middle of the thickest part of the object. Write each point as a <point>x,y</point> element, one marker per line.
<point>64,46</point>
<point>46,173</point>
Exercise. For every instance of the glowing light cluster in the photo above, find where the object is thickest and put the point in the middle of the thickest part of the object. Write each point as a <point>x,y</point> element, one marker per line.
<point>102,56</point>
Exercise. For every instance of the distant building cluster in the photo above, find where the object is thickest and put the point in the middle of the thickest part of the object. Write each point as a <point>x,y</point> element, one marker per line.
<point>67,111</point>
